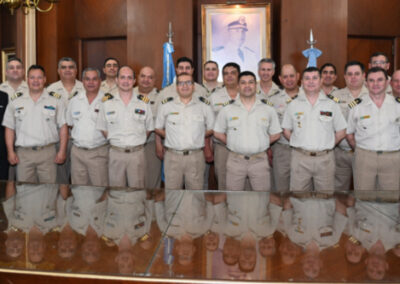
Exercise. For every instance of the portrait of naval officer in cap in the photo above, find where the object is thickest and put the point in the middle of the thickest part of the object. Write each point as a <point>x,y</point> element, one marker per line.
<point>236,46</point>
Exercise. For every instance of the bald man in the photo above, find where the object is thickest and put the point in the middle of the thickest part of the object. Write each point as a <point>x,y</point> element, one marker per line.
<point>395,83</point>
<point>289,79</point>
<point>146,87</point>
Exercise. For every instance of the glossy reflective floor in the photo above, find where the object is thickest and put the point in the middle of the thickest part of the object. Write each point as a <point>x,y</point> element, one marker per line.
<point>200,235</point>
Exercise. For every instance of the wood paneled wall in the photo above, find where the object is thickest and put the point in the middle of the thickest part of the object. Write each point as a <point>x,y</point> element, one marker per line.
<point>327,19</point>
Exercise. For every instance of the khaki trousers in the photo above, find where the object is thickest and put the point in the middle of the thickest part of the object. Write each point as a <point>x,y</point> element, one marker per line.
<point>153,172</point>
<point>89,167</point>
<point>220,158</point>
<point>281,166</point>
<point>37,165</point>
<point>307,172</point>
<point>184,170</point>
<point>127,169</point>
<point>344,169</point>
<point>256,168</point>
<point>373,170</point>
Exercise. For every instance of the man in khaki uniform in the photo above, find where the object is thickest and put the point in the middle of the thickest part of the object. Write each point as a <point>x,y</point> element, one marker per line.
<point>89,153</point>
<point>289,78</point>
<point>248,126</point>
<point>110,69</point>
<point>313,124</point>
<point>67,87</point>
<point>184,122</point>
<point>210,77</point>
<point>14,78</point>
<point>146,87</point>
<point>221,98</point>
<point>126,121</point>
<point>380,59</point>
<point>328,77</point>
<point>266,70</point>
<point>35,122</point>
<point>395,83</point>
<point>373,132</point>
<point>354,76</point>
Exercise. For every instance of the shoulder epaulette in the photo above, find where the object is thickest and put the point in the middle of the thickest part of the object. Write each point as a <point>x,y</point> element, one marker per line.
<point>289,100</point>
<point>355,102</point>
<point>333,98</point>
<point>55,95</point>
<point>107,97</point>
<point>73,95</point>
<point>397,99</point>
<point>204,100</point>
<point>157,91</point>
<point>229,102</point>
<point>267,102</point>
<point>164,101</point>
<point>276,92</point>
<point>143,98</point>
<point>16,95</point>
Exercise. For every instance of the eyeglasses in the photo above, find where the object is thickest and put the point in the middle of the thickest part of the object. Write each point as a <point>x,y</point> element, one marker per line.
<point>184,83</point>
<point>378,62</point>
<point>112,65</point>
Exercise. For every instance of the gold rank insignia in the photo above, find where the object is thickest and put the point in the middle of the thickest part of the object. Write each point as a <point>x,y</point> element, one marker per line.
<point>16,95</point>
<point>397,99</point>
<point>204,100</point>
<point>354,240</point>
<point>333,98</point>
<point>144,237</point>
<point>73,95</point>
<point>107,97</point>
<point>267,102</point>
<point>55,95</point>
<point>275,93</point>
<point>164,101</point>
<point>143,98</point>
<point>228,102</point>
<point>355,102</point>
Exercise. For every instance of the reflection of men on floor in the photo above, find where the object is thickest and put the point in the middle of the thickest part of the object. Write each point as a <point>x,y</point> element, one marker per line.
<point>236,50</point>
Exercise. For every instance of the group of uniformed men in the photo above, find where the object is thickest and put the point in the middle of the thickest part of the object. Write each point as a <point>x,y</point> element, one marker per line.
<point>312,136</point>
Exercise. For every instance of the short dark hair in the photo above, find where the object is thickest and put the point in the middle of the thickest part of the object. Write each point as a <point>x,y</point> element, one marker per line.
<point>36,67</point>
<point>379,53</point>
<point>14,59</point>
<point>184,59</point>
<point>184,74</point>
<point>376,70</point>
<point>328,64</point>
<point>309,70</point>
<point>247,73</point>
<point>354,63</point>
<point>133,71</point>
<point>231,64</point>
<point>210,62</point>
<point>110,58</point>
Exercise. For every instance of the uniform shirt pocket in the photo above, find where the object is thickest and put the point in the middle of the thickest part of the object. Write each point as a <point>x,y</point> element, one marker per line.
<point>111,116</point>
<point>233,123</point>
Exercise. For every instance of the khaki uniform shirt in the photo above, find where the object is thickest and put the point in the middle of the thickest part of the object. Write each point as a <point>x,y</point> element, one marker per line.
<point>376,129</point>
<point>334,89</point>
<point>35,123</point>
<point>314,219</point>
<point>345,97</point>
<point>185,125</point>
<point>126,125</point>
<point>6,87</point>
<point>313,127</point>
<point>58,88</point>
<point>373,221</point>
<point>280,102</point>
<point>219,99</point>
<point>170,91</point>
<point>210,91</point>
<point>105,88</point>
<point>153,95</point>
<point>274,90</point>
<point>247,131</point>
<point>82,116</point>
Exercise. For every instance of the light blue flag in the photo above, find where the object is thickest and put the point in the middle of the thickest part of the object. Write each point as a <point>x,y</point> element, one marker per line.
<point>168,65</point>
<point>312,54</point>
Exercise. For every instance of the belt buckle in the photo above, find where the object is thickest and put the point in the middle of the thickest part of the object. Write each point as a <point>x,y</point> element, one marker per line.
<point>35,148</point>
<point>246,157</point>
<point>379,152</point>
<point>127,150</point>
<point>186,152</point>
<point>313,154</point>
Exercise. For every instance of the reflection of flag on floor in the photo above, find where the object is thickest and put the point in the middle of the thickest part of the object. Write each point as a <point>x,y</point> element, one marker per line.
<point>168,78</point>
<point>168,65</point>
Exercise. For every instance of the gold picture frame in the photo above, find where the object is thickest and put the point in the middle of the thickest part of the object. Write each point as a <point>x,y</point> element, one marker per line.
<point>236,33</point>
<point>6,54</point>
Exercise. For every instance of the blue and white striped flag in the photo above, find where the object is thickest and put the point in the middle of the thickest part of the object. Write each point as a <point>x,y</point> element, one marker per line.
<point>168,65</point>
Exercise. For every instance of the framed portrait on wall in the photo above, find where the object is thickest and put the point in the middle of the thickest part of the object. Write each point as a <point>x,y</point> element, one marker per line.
<point>236,33</point>
<point>6,54</point>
